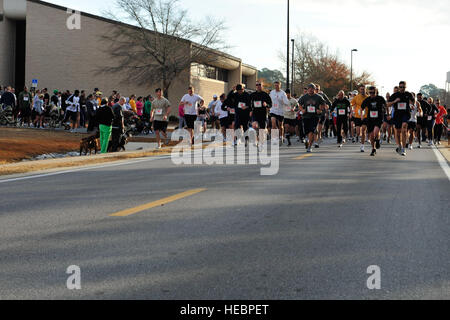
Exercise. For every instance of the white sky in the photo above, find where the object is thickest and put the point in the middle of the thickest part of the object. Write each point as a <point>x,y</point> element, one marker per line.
<point>396,40</point>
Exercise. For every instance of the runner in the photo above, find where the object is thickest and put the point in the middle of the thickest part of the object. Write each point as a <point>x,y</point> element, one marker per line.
<point>342,108</point>
<point>222,116</point>
<point>401,101</point>
<point>290,117</point>
<point>375,107</point>
<point>360,118</point>
<point>421,119</point>
<point>261,103</point>
<point>279,103</point>
<point>242,104</point>
<point>431,120</point>
<point>412,123</point>
<point>190,102</point>
<point>312,105</point>
<point>439,129</point>
<point>323,117</point>
<point>387,124</point>
<point>212,113</point>
<point>229,106</point>
<point>160,116</point>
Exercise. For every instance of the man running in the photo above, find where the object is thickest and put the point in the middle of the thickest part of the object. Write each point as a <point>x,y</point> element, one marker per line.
<point>375,108</point>
<point>242,104</point>
<point>279,103</point>
<point>290,120</point>
<point>160,116</point>
<point>312,106</point>
<point>261,102</point>
<point>190,102</point>
<point>212,113</point>
<point>342,108</point>
<point>422,119</point>
<point>359,117</point>
<point>323,117</point>
<point>412,123</point>
<point>223,116</point>
<point>401,101</point>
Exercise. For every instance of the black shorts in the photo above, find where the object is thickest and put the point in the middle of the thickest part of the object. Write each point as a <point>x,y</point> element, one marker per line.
<point>25,112</point>
<point>372,124</point>
<point>160,125</point>
<point>280,119</point>
<point>290,122</point>
<point>71,115</point>
<point>224,122</point>
<point>422,121</point>
<point>358,122</point>
<point>310,125</point>
<point>190,120</point>
<point>231,118</point>
<point>400,120</point>
<point>322,120</point>
<point>261,120</point>
<point>412,125</point>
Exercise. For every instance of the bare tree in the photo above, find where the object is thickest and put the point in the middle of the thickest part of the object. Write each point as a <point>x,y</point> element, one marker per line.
<point>161,43</point>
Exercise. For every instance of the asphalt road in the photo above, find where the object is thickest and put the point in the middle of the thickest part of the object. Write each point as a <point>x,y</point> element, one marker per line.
<point>309,232</point>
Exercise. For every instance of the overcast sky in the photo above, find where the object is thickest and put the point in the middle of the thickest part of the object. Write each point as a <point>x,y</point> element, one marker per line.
<point>396,40</point>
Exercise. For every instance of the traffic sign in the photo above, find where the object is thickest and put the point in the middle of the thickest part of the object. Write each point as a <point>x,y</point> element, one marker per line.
<point>34,83</point>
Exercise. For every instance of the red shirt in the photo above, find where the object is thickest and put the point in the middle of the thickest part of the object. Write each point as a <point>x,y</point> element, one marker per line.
<point>440,116</point>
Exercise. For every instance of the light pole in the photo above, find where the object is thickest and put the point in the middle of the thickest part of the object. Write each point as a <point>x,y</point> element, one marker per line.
<point>293,67</point>
<point>288,38</point>
<point>351,70</point>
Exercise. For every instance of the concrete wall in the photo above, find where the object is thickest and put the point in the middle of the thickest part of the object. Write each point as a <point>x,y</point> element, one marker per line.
<point>70,59</point>
<point>7,50</point>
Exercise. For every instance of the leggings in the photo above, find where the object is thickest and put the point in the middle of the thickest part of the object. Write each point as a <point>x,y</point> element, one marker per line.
<point>438,130</point>
<point>342,124</point>
<point>430,127</point>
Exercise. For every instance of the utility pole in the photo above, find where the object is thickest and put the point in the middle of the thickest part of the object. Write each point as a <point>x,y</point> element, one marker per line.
<point>288,38</point>
<point>351,70</point>
<point>293,66</point>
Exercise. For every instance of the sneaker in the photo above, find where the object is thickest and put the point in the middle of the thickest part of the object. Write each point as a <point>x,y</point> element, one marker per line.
<point>353,140</point>
<point>316,145</point>
<point>309,150</point>
<point>419,146</point>
<point>397,150</point>
<point>340,146</point>
<point>374,152</point>
<point>430,143</point>
<point>411,147</point>
<point>403,152</point>
<point>362,148</point>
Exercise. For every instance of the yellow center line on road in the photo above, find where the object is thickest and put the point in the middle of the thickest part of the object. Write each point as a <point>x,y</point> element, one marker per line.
<point>304,156</point>
<point>158,203</point>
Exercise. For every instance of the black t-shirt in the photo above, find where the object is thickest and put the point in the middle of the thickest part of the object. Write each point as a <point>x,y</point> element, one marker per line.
<point>311,104</point>
<point>402,108</point>
<point>375,108</point>
<point>342,107</point>
<point>242,102</point>
<point>258,99</point>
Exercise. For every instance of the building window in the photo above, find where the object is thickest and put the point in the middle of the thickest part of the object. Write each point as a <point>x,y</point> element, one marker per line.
<point>210,72</point>
<point>245,80</point>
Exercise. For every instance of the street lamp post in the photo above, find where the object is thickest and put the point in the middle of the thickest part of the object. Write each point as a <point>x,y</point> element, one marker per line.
<point>288,38</point>
<point>351,70</point>
<point>293,66</point>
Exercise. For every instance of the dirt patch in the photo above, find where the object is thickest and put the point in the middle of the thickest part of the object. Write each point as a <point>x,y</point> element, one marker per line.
<point>19,144</point>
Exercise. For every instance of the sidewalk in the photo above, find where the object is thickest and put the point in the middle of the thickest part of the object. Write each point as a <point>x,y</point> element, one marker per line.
<point>445,150</point>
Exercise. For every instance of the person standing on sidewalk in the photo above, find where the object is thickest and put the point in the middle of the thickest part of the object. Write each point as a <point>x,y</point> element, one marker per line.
<point>117,125</point>
<point>24,101</point>
<point>104,117</point>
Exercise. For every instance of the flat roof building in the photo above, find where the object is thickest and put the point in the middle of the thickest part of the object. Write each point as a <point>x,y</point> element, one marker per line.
<point>37,44</point>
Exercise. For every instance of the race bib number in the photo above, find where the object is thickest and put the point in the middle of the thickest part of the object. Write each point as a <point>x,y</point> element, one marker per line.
<point>25,98</point>
<point>402,106</point>
<point>342,112</point>
<point>258,104</point>
<point>288,109</point>
<point>232,111</point>
<point>430,118</point>
<point>311,109</point>
<point>159,112</point>
<point>241,105</point>
<point>374,114</point>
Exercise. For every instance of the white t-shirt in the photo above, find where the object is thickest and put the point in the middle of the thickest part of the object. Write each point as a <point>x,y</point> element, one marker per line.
<point>191,104</point>
<point>219,112</point>
<point>74,106</point>
<point>279,102</point>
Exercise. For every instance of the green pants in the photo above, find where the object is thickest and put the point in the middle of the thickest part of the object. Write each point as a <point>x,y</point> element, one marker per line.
<point>105,134</point>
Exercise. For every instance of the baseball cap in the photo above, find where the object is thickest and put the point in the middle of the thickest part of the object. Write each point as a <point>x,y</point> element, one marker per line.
<point>311,85</point>
<point>215,96</point>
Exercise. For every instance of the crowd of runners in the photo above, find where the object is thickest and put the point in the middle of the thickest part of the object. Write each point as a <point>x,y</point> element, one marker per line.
<point>359,117</point>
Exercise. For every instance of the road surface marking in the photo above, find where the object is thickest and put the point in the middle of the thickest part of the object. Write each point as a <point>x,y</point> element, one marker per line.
<point>304,156</point>
<point>154,204</point>
<point>442,161</point>
<point>82,169</point>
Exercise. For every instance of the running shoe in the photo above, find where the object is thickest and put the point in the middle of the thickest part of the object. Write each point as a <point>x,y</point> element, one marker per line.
<point>403,152</point>
<point>363,149</point>
<point>309,150</point>
<point>374,152</point>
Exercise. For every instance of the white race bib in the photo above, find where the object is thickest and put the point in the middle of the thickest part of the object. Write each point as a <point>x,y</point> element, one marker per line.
<point>342,112</point>
<point>288,109</point>
<point>430,118</point>
<point>374,114</point>
<point>402,106</point>
<point>275,105</point>
<point>25,98</point>
<point>258,104</point>
<point>311,109</point>
<point>242,105</point>
<point>232,111</point>
<point>159,112</point>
